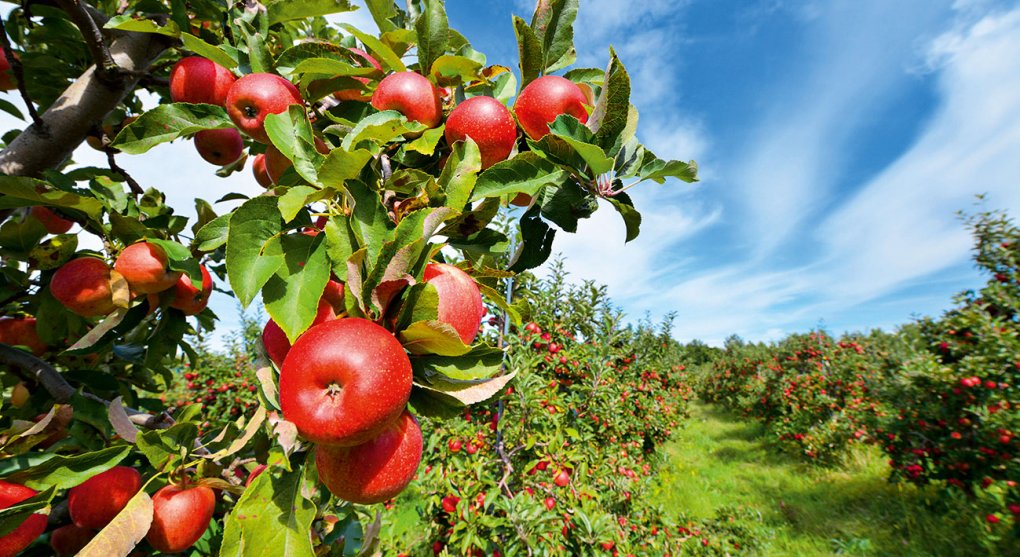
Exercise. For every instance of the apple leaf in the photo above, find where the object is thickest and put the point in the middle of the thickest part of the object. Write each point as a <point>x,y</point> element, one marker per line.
<point>421,303</point>
<point>443,399</point>
<point>370,221</point>
<point>631,217</point>
<point>384,54</point>
<point>461,173</point>
<point>290,59</point>
<point>291,133</point>
<point>179,258</point>
<point>64,472</point>
<point>609,118</point>
<point>536,242</point>
<point>433,31</point>
<point>553,23</point>
<point>658,170</point>
<point>482,362</point>
<point>432,337</point>
<point>272,513</point>
<point>288,10</point>
<point>206,50</point>
<point>11,517</point>
<point>527,172</point>
<point>125,531</point>
<point>213,235</point>
<point>291,295</point>
<point>341,165</point>
<point>449,70</point>
<point>340,244</point>
<point>130,23</point>
<point>20,191</point>
<point>427,142</point>
<point>252,225</point>
<point>388,17</point>
<point>168,122</point>
<point>564,205</point>
<point>379,129</point>
<point>21,235</point>
<point>530,51</point>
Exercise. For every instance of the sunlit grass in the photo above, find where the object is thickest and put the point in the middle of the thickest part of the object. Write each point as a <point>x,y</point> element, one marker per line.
<point>722,460</point>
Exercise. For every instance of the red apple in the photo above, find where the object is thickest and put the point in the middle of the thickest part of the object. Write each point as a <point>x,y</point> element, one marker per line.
<point>189,299</point>
<point>376,470</point>
<point>488,123</point>
<point>83,286</point>
<point>220,147</point>
<point>275,341</point>
<point>7,81</point>
<point>334,294</point>
<point>257,95</point>
<point>562,478</point>
<point>356,94</point>
<point>54,223</point>
<point>460,301</point>
<point>344,381</point>
<point>258,167</point>
<point>13,542</point>
<point>146,269</point>
<point>180,515</point>
<point>70,539</point>
<point>198,80</point>
<point>94,503</point>
<point>21,331</point>
<point>544,99</point>
<point>277,163</point>
<point>412,95</point>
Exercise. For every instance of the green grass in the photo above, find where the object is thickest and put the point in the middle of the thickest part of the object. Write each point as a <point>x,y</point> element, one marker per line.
<point>722,460</point>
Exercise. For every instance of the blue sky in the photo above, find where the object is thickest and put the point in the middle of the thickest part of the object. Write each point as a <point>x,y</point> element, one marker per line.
<point>836,141</point>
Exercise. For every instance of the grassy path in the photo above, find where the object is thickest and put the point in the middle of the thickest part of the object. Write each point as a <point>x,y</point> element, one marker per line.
<point>721,460</point>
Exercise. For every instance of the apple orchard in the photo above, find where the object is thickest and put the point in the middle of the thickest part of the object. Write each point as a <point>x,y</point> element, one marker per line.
<point>409,188</point>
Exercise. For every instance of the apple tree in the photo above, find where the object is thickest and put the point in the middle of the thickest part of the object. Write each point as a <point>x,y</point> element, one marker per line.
<point>391,163</point>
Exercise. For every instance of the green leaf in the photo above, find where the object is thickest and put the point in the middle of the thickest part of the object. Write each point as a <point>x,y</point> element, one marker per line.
<point>420,304</point>
<point>213,235</point>
<point>9,108</point>
<point>609,118</point>
<point>432,337</point>
<point>341,165</point>
<point>294,56</point>
<point>287,10</point>
<point>456,395</point>
<point>530,50</point>
<point>433,31</point>
<point>631,218</point>
<point>385,13</point>
<point>179,259</point>
<point>251,227</point>
<point>63,472</point>
<point>658,170</point>
<point>272,513</point>
<point>21,236</point>
<point>291,133</point>
<point>536,242</point>
<point>11,517</point>
<point>386,57</point>
<point>370,221</point>
<point>168,122</point>
<point>453,70</point>
<point>427,142</point>
<point>295,199</point>
<point>553,24</point>
<point>380,128</point>
<point>206,50</point>
<point>482,362</point>
<point>339,244</point>
<point>139,25</point>
<point>460,173</point>
<point>20,191</point>
<point>527,173</point>
<point>163,446</point>
<point>566,204</point>
<point>291,296</point>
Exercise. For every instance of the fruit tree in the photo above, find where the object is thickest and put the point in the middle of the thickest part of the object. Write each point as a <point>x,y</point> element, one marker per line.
<point>404,189</point>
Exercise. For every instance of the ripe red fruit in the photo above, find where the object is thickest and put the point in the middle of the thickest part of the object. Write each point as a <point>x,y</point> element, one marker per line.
<point>450,503</point>
<point>344,382</point>
<point>7,81</point>
<point>486,121</point>
<point>94,503</point>
<point>334,294</point>
<point>410,94</point>
<point>13,542</point>
<point>189,299</point>
<point>374,471</point>
<point>275,341</point>
<point>544,99</point>
<point>460,301</point>
<point>146,268</point>
<point>356,94</point>
<point>70,539</point>
<point>21,331</point>
<point>53,223</point>
<point>83,286</point>
<point>562,478</point>
<point>277,163</point>
<point>257,95</point>
<point>454,445</point>
<point>220,147</point>
<point>180,516</point>
<point>258,168</point>
<point>198,80</point>
<point>550,503</point>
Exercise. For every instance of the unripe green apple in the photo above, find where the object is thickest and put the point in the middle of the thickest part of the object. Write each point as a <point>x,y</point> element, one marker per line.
<point>546,98</point>
<point>412,95</point>
<point>220,147</point>
<point>460,301</point>
<point>344,381</point>
<point>146,268</point>
<point>257,95</point>
<point>83,286</point>
<point>376,470</point>
<point>180,515</point>
<point>194,79</point>
<point>486,121</point>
